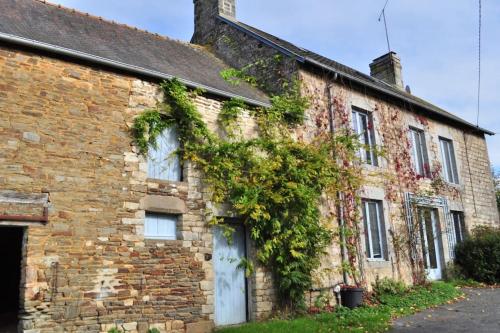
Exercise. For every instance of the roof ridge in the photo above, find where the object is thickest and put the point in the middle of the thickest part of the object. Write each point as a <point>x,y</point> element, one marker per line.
<point>347,71</point>
<point>110,21</point>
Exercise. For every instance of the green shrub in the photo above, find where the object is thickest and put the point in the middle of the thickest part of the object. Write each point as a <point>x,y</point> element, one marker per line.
<point>479,255</point>
<point>387,286</point>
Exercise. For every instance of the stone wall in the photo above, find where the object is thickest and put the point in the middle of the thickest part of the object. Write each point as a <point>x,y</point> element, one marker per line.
<point>65,131</point>
<point>474,195</point>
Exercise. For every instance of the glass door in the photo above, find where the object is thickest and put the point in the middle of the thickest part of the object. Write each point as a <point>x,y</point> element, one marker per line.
<point>430,241</point>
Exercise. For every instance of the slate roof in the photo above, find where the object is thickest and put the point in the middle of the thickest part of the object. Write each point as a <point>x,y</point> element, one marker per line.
<point>306,56</point>
<point>39,23</point>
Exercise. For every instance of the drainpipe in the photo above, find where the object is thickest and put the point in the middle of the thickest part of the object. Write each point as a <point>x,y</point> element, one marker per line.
<point>470,173</point>
<point>343,251</point>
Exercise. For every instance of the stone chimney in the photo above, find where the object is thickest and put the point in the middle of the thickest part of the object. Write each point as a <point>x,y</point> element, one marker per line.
<point>205,18</point>
<point>388,69</point>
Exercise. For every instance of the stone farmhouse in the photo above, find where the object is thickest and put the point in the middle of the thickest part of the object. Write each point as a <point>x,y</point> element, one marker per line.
<point>94,235</point>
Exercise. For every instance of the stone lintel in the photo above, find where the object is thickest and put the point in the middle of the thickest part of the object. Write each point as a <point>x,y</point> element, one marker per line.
<point>163,204</point>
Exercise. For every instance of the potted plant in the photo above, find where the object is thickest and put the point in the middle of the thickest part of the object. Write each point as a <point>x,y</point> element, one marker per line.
<point>351,296</point>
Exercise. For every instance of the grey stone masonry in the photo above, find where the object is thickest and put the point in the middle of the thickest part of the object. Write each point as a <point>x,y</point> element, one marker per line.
<point>388,69</point>
<point>205,17</point>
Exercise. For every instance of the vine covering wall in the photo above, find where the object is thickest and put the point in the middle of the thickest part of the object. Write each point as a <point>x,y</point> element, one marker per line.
<point>273,182</point>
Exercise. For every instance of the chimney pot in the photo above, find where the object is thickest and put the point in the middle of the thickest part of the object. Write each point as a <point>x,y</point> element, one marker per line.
<point>388,69</point>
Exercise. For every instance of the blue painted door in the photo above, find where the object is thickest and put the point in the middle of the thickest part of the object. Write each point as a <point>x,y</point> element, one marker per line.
<point>230,281</point>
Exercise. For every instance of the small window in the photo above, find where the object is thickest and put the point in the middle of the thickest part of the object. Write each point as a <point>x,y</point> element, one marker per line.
<point>450,172</point>
<point>375,235</point>
<point>163,162</point>
<point>160,226</point>
<point>362,123</point>
<point>458,226</point>
<point>419,155</point>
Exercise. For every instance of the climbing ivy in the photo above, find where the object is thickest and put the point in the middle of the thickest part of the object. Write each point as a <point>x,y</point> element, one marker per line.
<point>273,182</point>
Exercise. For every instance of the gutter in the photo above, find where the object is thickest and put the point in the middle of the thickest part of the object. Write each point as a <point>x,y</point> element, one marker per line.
<point>119,65</point>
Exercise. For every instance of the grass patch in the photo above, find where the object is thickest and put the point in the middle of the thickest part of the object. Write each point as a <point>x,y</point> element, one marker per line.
<point>364,319</point>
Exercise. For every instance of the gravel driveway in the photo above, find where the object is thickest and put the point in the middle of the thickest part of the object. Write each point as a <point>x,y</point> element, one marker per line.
<point>478,313</point>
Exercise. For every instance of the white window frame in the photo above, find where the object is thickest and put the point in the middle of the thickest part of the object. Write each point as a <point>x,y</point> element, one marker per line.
<point>380,229</point>
<point>448,158</point>
<point>366,135</point>
<point>163,162</point>
<point>154,230</point>
<point>419,154</point>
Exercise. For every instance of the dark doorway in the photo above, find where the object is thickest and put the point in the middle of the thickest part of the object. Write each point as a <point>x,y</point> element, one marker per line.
<point>11,244</point>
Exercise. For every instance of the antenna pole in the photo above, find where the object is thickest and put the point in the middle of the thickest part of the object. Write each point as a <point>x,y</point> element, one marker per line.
<point>386,31</point>
<point>382,15</point>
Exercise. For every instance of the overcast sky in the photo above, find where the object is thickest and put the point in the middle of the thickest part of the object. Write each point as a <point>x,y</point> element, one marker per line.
<point>436,40</point>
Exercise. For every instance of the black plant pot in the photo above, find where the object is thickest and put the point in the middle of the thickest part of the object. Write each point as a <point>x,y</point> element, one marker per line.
<point>351,297</point>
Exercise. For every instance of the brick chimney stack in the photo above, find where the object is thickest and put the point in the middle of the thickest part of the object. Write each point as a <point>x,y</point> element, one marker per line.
<point>388,69</point>
<point>205,18</point>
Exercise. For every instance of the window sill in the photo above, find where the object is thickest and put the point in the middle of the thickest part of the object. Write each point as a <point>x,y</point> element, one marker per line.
<point>378,262</point>
<point>371,167</point>
<point>457,186</point>
<point>153,241</point>
<point>167,182</point>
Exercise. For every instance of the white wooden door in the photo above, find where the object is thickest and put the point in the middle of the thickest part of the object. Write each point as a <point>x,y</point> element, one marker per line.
<point>430,240</point>
<point>230,281</point>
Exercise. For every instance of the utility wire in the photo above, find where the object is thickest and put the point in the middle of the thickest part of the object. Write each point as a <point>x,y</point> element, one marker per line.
<point>479,66</point>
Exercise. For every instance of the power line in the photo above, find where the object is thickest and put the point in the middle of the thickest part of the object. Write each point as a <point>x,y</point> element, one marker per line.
<point>479,66</point>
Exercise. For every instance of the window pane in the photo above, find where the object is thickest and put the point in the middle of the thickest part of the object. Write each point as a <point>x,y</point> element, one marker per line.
<point>427,235</point>
<point>374,231</point>
<point>450,171</point>
<point>448,174</point>
<point>363,126</point>
<point>425,156</point>
<point>371,131</point>
<point>453,163</point>
<point>417,153</point>
<point>355,122</point>
<point>423,238</point>
<point>420,153</point>
<point>163,162</point>
<point>160,226</point>
<point>458,226</point>
<point>443,159</point>
<point>366,215</point>
<point>431,243</point>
